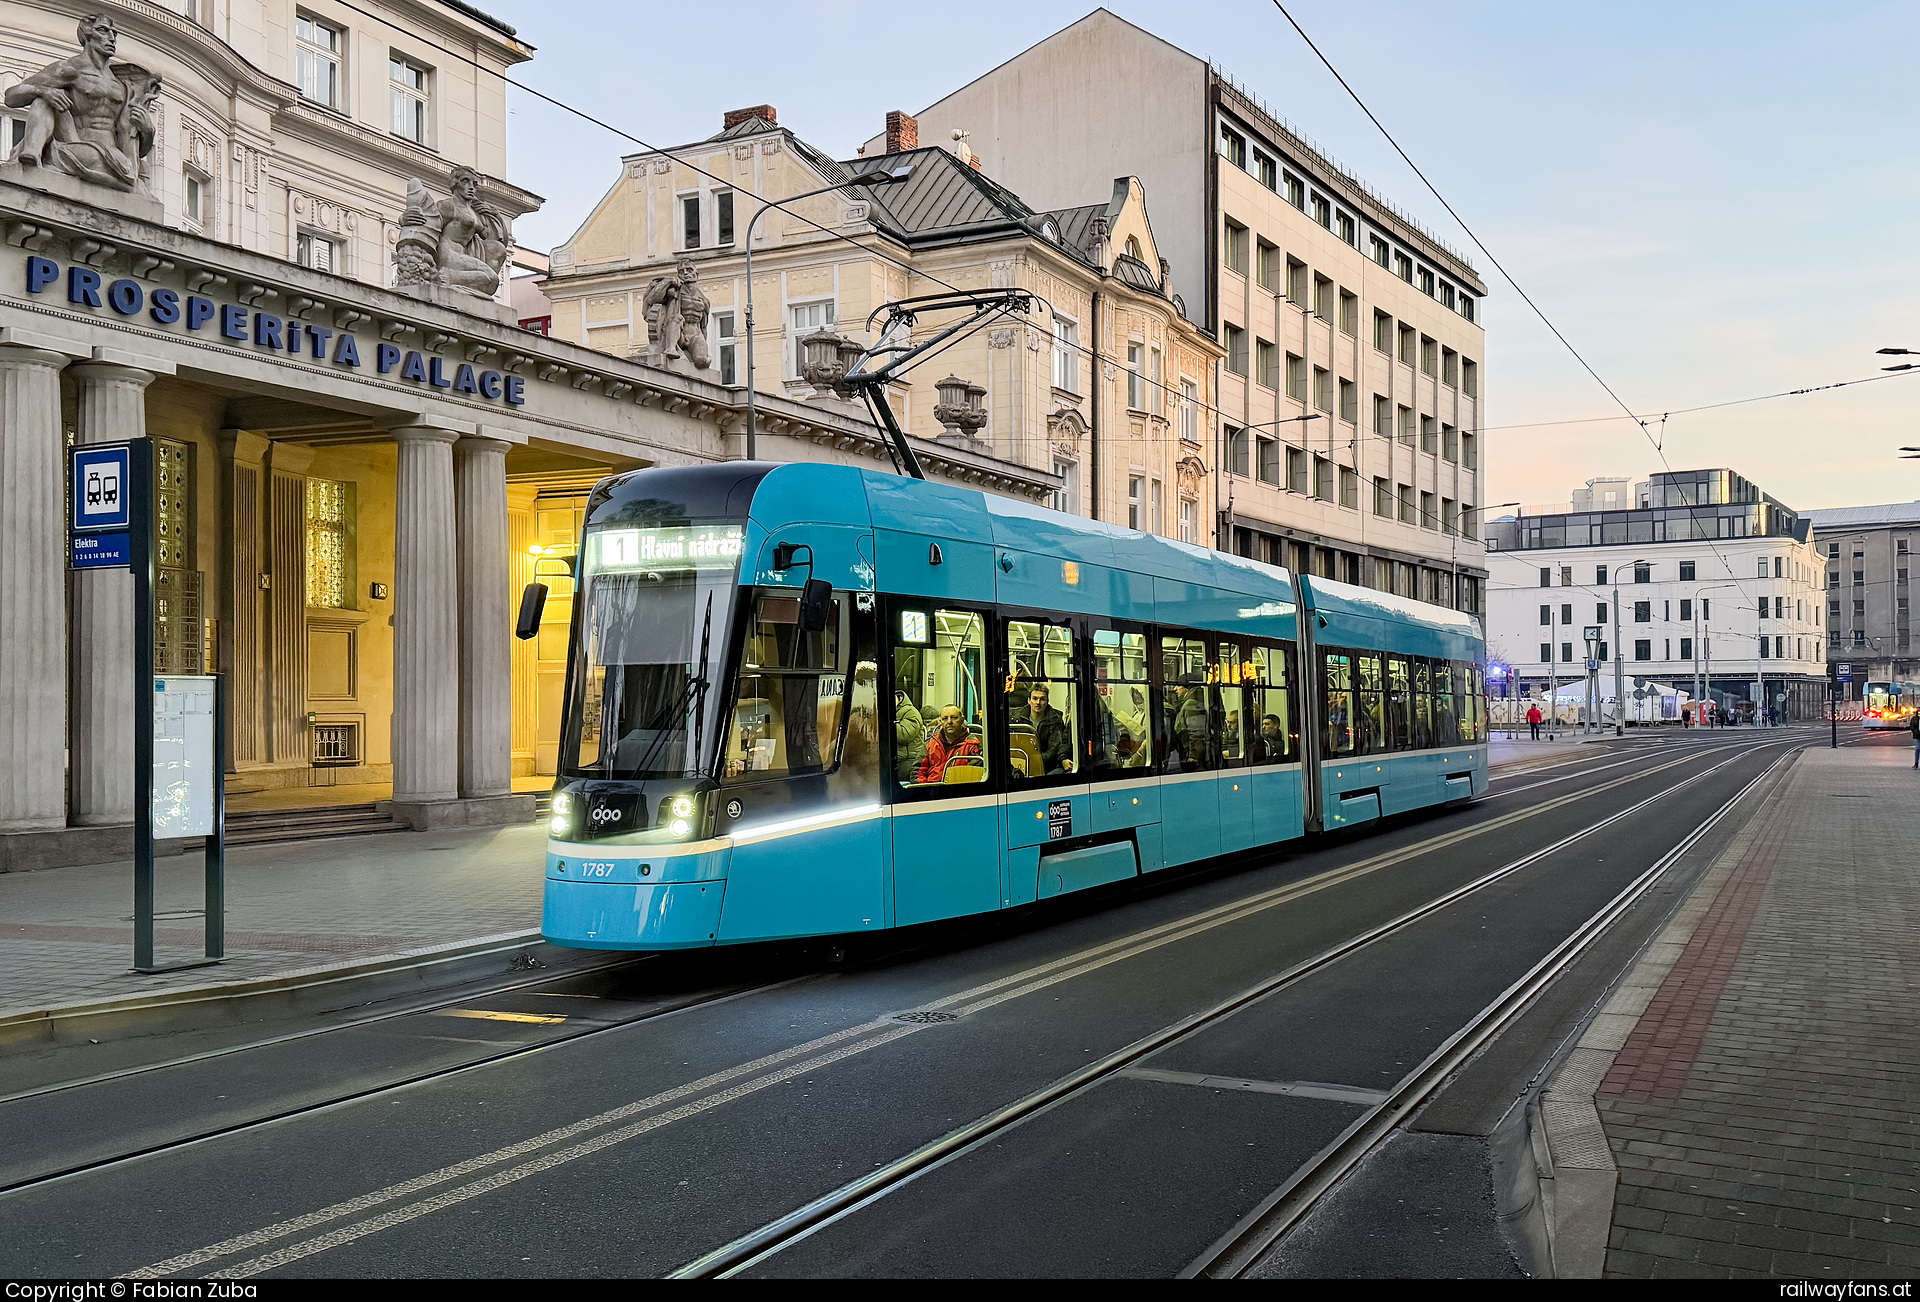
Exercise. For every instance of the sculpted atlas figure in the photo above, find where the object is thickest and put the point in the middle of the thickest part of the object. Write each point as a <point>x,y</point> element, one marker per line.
<point>461,241</point>
<point>677,317</point>
<point>87,116</point>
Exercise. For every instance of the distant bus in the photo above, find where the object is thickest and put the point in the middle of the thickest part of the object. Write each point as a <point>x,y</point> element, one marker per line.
<point>1888,704</point>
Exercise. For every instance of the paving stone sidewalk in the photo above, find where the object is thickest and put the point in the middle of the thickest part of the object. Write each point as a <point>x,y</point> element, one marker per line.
<point>1764,1112</point>
<point>66,934</point>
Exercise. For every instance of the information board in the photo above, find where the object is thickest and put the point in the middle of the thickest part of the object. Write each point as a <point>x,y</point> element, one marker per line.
<point>184,776</point>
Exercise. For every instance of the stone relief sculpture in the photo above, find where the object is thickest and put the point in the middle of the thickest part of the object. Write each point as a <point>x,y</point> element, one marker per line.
<point>677,318</point>
<point>460,241</point>
<point>87,117</point>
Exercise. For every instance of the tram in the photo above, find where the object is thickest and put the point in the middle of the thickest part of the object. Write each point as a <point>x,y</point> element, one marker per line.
<point>815,700</point>
<point>1888,704</point>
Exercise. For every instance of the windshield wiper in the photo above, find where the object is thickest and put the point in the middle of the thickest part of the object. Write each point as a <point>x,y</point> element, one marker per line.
<point>694,694</point>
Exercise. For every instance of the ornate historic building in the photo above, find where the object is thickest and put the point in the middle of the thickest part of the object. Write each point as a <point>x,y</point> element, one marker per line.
<point>1026,393</point>
<point>272,239</point>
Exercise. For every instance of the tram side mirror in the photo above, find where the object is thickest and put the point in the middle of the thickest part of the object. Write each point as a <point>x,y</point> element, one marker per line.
<point>533,603</point>
<point>783,554</point>
<point>816,600</point>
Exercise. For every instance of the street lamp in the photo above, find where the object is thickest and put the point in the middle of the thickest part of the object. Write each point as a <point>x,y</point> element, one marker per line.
<point>1913,454</point>
<point>872,177</point>
<point>1619,665</point>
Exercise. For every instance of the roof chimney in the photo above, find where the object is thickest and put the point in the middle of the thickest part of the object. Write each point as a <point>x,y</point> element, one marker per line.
<point>734,117</point>
<point>903,132</point>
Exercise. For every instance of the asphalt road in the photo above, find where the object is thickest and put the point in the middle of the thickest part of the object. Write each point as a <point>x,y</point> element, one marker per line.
<point>626,1123</point>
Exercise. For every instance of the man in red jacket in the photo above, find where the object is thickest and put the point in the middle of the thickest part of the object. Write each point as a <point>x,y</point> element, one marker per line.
<point>1533,720</point>
<point>948,740</point>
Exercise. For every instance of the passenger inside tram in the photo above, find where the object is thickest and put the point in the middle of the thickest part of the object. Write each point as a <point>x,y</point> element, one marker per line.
<point>951,750</point>
<point>940,709</point>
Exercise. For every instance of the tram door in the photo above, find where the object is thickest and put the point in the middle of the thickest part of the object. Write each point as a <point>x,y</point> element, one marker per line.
<point>947,859</point>
<point>556,524</point>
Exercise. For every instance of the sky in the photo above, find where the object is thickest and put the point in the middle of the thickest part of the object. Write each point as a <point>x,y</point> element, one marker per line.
<point>1711,202</point>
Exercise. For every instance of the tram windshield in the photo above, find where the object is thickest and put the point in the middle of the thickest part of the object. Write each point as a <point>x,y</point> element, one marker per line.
<point>652,645</point>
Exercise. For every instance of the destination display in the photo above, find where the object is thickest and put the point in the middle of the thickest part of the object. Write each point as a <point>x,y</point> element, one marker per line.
<point>696,547</point>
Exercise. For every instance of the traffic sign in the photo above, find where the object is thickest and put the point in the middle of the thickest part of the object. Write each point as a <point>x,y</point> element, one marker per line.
<point>100,497</point>
<point>1593,666</point>
<point>1843,672</point>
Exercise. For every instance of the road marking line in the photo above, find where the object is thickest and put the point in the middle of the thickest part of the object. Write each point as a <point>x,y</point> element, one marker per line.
<point>986,995</point>
<point>1299,1089</point>
<point>489,1015</point>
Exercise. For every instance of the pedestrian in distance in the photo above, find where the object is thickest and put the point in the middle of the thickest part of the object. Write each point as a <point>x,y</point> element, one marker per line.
<point>1913,729</point>
<point>1533,720</point>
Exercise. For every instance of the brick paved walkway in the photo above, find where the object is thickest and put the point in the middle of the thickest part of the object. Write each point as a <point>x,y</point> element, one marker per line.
<point>1765,1110</point>
<point>66,934</point>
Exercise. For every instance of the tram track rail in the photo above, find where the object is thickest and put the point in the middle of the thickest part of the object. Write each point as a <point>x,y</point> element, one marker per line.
<point>1283,1208</point>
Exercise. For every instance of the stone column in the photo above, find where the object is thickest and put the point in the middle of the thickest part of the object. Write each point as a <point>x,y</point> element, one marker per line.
<point>426,642</point>
<point>33,526</point>
<point>486,620</point>
<point>112,406</point>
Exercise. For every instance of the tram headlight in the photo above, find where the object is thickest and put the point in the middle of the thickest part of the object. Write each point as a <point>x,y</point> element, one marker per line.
<point>562,822</point>
<point>682,806</point>
<point>679,814</point>
<point>680,827</point>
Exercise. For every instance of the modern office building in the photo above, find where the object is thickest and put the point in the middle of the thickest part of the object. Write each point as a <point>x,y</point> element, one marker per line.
<point>1348,441</point>
<point>1868,552</point>
<point>1719,589</point>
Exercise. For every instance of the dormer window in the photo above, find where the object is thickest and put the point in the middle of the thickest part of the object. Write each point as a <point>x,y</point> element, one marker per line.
<point>1049,231</point>
<point>1133,249</point>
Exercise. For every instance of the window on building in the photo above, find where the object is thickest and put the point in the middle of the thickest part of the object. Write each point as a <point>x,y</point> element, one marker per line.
<point>1643,648</point>
<point>1469,378</point>
<point>1600,575</point>
<point>1566,576</point>
<point>1450,367</point>
<point>1266,364</point>
<point>1643,574</point>
<point>1155,495</point>
<point>1642,612</point>
<point>1349,489</point>
<point>318,49</point>
<point>331,527</point>
<point>1403,267</point>
<point>1266,265</point>
<point>1349,314</point>
<point>1323,479</point>
<point>1409,344</point>
<point>1297,283</point>
<point>1156,390</point>
<point>1469,451</point>
<point>1859,578</point>
<point>1268,468</point>
<point>1344,227</point>
<point>1267,170</point>
<point>1066,354</point>
<point>1546,576</point>
<point>1236,341</point>
<point>1189,410</point>
<point>1469,520</point>
<point>1382,331</point>
<point>1686,571</point>
<point>1378,248</point>
<point>1296,192</point>
<point>1446,295</point>
<point>1449,443</point>
<point>1234,247</point>
<point>1566,612</point>
<point>1136,505</point>
<point>1382,416</point>
<point>1429,356</point>
<point>1382,498</point>
<point>1323,305</point>
<point>727,347</point>
<point>1239,455</point>
<point>1297,471</point>
<point>1600,612</point>
<point>1349,402</point>
<point>1449,516</point>
<point>1322,210</point>
<point>1296,378</point>
<point>409,90</point>
<point>723,218</point>
<point>1408,512</point>
<point>317,252</point>
<point>1189,520</point>
<point>1429,518</point>
<point>194,199</point>
<point>806,319</point>
<point>1406,426</point>
<point>1323,389</point>
<point>1233,146</point>
<point>690,221</point>
<point>1546,653</point>
<point>1429,435</point>
<point>1066,498</point>
<point>1859,611</point>
<point>1426,282</point>
<point>1833,549</point>
<point>1136,387</point>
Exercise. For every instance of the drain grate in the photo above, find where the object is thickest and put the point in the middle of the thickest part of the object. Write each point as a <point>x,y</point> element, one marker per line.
<point>925,1018</point>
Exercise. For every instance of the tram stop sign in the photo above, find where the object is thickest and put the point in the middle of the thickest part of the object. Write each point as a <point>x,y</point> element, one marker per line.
<point>101,507</point>
<point>1843,672</point>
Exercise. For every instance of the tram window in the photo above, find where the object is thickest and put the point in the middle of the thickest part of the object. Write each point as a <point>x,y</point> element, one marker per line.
<point>1479,702</point>
<point>1446,727</point>
<point>1042,700</point>
<point>1399,704</point>
<point>941,681</point>
<point>787,723</point>
<point>1227,702</point>
<point>1122,736</point>
<point>1422,704</point>
<point>1370,710</point>
<point>1339,698</point>
<point>1272,736</point>
<point>647,642</point>
<point>1186,736</point>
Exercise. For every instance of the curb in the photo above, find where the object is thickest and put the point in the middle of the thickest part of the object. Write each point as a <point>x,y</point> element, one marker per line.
<point>311,989</point>
<point>1576,1171</point>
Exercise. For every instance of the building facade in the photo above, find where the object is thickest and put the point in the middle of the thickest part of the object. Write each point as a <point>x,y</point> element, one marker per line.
<point>1094,271</point>
<point>1718,588</point>
<point>1352,377</point>
<point>1868,554</point>
<point>360,464</point>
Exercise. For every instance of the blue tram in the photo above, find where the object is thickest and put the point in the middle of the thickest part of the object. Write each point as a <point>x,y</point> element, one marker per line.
<point>813,700</point>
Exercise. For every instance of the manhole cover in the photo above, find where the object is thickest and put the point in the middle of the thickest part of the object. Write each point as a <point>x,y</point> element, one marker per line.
<point>926,1018</point>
